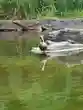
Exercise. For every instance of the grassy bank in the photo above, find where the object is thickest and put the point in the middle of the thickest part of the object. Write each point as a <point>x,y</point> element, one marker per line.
<point>40,8</point>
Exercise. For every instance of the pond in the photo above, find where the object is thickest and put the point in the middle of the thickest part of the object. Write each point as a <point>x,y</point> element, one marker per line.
<point>23,86</point>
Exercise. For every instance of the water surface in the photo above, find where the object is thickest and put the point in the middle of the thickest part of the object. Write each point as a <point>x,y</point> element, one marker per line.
<point>24,87</point>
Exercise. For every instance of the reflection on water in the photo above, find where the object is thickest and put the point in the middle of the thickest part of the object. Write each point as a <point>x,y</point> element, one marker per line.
<point>24,87</point>
<point>12,44</point>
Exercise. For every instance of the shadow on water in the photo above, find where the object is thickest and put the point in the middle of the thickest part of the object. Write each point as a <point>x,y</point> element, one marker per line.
<point>23,86</point>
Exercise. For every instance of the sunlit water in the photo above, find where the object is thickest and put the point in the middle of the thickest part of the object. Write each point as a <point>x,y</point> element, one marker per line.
<point>24,87</point>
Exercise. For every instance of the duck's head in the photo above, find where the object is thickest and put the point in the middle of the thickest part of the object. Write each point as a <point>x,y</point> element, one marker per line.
<point>42,45</point>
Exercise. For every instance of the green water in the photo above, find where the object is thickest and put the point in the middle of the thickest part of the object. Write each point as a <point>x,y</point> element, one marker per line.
<point>23,86</point>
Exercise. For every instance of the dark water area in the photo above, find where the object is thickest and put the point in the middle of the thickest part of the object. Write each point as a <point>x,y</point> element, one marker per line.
<point>23,86</point>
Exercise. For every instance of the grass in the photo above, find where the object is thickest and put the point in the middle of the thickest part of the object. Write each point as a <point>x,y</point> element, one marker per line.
<point>40,9</point>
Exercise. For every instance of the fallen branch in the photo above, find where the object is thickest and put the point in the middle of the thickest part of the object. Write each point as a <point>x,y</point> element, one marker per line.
<point>14,29</point>
<point>35,26</point>
<point>20,25</point>
<point>8,30</point>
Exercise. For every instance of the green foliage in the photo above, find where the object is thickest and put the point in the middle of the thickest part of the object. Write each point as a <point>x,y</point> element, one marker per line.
<point>28,9</point>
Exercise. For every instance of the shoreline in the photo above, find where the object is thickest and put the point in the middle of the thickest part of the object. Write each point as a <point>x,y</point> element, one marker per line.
<point>44,18</point>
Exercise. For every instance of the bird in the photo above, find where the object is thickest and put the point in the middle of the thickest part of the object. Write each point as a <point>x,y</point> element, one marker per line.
<point>57,49</point>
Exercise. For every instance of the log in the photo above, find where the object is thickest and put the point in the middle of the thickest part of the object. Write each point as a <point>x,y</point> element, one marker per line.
<point>35,26</point>
<point>20,25</point>
<point>8,30</point>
